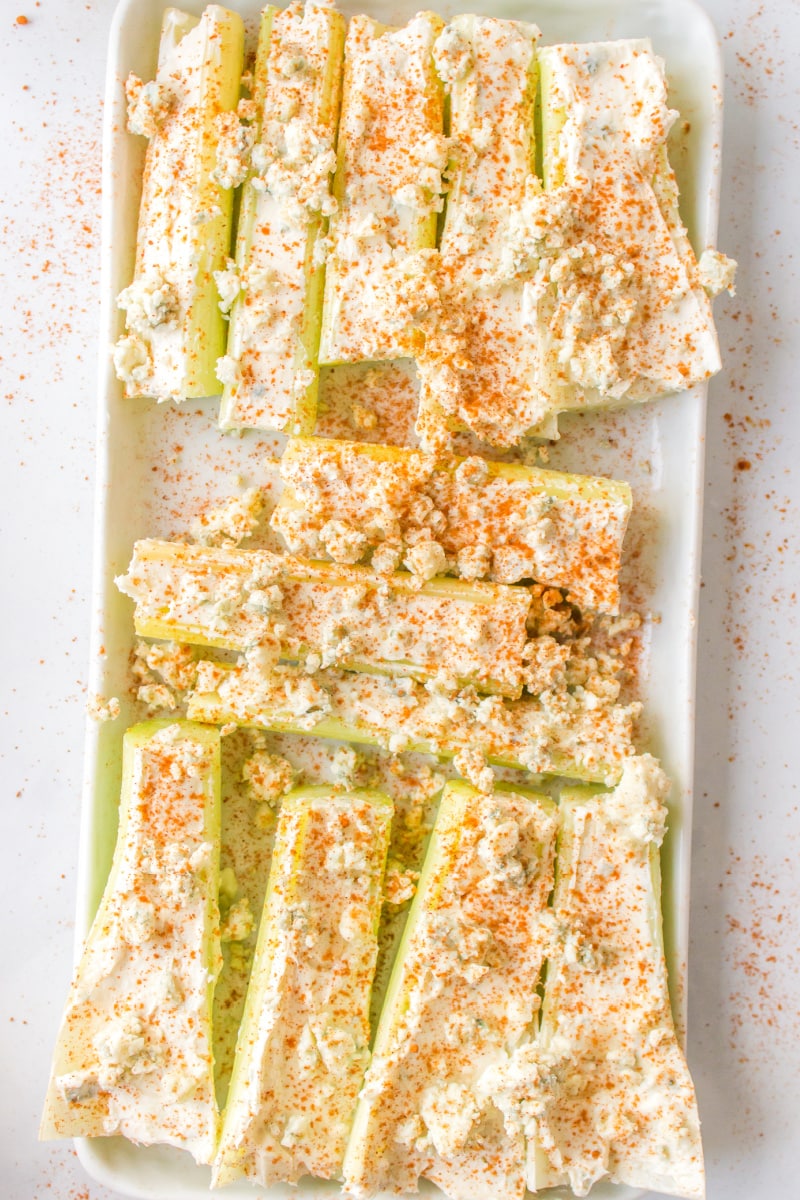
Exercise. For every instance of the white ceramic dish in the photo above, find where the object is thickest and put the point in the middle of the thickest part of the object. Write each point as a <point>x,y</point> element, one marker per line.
<point>147,486</point>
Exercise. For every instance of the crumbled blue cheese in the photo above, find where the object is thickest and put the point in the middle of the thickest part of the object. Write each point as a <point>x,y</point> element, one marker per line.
<point>268,776</point>
<point>453,54</point>
<point>342,542</point>
<point>345,765</point>
<point>386,557</point>
<point>157,697</point>
<point>471,763</point>
<point>173,662</point>
<point>426,559</point>
<point>131,358</point>
<point>229,284</point>
<point>227,370</point>
<point>102,708</point>
<point>238,922</point>
<point>234,146</point>
<point>400,884</point>
<point>149,301</point>
<point>717,272</point>
<point>475,561</point>
<point>637,804</point>
<point>294,163</point>
<point>449,1111</point>
<point>148,103</point>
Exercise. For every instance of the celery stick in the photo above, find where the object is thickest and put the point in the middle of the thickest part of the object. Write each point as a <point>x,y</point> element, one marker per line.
<point>271,372</point>
<point>391,154</point>
<point>604,1090</point>
<point>499,520</point>
<point>175,330</point>
<point>303,1043</point>
<point>559,734</point>
<point>462,995</point>
<point>134,1052</point>
<point>347,615</point>
<point>482,367</point>
<point>641,324</point>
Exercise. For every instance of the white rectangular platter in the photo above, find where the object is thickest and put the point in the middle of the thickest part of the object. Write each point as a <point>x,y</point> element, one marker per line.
<point>158,466</point>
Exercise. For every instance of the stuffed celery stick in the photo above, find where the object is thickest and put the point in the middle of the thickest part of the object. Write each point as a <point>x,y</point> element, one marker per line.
<point>174,329</point>
<point>604,1090</point>
<point>499,521</point>
<point>462,995</point>
<point>328,614</point>
<point>483,367</point>
<point>559,733</point>
<point>624,299</point>
<point>274,290</point>
<point>390,157</point>
<point>134,1052</point>
<point>303,1043</point>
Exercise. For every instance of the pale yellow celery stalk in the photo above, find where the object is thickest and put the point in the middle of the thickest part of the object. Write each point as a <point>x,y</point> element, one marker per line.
<point>555,734</point>
<point>270,371</point>
<point>603,1091</point>
<point>500,521</point>
<point>390,157</point>
<point>482,366</point>
<point>344,615</point>
<point>462,996</point>
<point>134,1054</point>
<point>303,1043</point>
<point>624,299</point>
<point>174,329</point>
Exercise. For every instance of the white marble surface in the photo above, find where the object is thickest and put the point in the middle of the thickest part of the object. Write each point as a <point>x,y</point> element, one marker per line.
<point>744,1032</point>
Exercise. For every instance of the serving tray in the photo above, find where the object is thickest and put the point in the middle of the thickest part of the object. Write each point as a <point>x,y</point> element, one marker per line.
<point>158,466</point>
